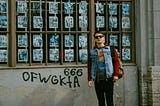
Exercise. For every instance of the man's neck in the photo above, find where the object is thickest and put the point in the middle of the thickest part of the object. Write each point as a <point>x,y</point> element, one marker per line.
<point>100,45</point>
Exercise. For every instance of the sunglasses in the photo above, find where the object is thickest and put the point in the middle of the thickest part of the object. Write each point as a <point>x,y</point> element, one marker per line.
<point>96,37</point>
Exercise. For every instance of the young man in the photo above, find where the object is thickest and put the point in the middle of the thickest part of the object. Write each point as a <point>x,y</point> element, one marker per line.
<point>103,70</point>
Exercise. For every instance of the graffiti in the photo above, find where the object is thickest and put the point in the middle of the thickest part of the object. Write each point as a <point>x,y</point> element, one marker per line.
<point>69,78</point>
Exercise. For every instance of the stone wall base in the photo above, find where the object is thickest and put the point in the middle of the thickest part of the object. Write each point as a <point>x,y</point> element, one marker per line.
<point>154,86</point>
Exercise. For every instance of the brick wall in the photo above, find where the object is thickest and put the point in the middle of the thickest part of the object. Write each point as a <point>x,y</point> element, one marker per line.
<point>154,86</point>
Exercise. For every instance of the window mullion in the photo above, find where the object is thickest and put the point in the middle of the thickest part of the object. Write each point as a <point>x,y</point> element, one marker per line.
<point>12,33</point>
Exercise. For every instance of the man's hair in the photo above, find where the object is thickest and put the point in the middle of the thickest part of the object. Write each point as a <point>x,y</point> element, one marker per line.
<point>97,32</point>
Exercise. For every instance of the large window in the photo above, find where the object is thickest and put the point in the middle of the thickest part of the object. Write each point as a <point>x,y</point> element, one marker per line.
<point>52,31</point>
<point>60,31</point>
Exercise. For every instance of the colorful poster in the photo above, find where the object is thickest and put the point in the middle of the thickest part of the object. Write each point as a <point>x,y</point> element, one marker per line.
<point>3,41</point>
<point>53,7</point>
<point>53,54</point>
<point>21,7</point>
<point>69,55</point>
<point>3,55</point>
<point>22,55</point>
<point>37,54</point>
<point>53,22</point>
<point>69,40</point>
<point>37,41</point>
<point>22,40</point>
<point>22,21</point>
<point>54,41</point>
<point>37,22</point>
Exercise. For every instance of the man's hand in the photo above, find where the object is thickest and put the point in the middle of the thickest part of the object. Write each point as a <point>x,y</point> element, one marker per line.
<point>90,83</point>
<point>115,78</point>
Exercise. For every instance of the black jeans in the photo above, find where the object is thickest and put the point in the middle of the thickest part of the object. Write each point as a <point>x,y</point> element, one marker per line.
<point>104,91</point>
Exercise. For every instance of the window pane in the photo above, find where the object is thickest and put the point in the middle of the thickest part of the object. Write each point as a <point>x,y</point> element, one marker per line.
<point>22,15</point>
<point>54,47</point>
<point>22,48</point>
<point>38,15</point>
<point>3,31</point>
<point>100,16</point>
<point>3,48</point>
<point>3,14</point>
<point>38,48</point>
<point>54,16</point>
<point>69,47</point>
<point>83,45</point>
<point>83,16</point>
<point>126,16</point>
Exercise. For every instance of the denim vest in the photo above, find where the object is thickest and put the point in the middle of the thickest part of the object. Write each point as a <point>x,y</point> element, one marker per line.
<point>108,62</point>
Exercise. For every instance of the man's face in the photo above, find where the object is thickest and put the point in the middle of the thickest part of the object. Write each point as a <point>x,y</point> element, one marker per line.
<point>99,38</point>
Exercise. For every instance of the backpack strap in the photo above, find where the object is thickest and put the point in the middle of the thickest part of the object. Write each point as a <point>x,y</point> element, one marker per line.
<point>112,54</point>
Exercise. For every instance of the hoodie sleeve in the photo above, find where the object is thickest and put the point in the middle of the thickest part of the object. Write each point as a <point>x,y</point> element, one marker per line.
<point>116,63</point>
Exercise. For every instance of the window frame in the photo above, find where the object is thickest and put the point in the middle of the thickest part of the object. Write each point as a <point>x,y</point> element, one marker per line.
<point>12,30</point>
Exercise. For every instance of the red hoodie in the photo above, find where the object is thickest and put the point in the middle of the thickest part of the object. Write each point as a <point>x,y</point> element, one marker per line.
<point>116,63</point>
